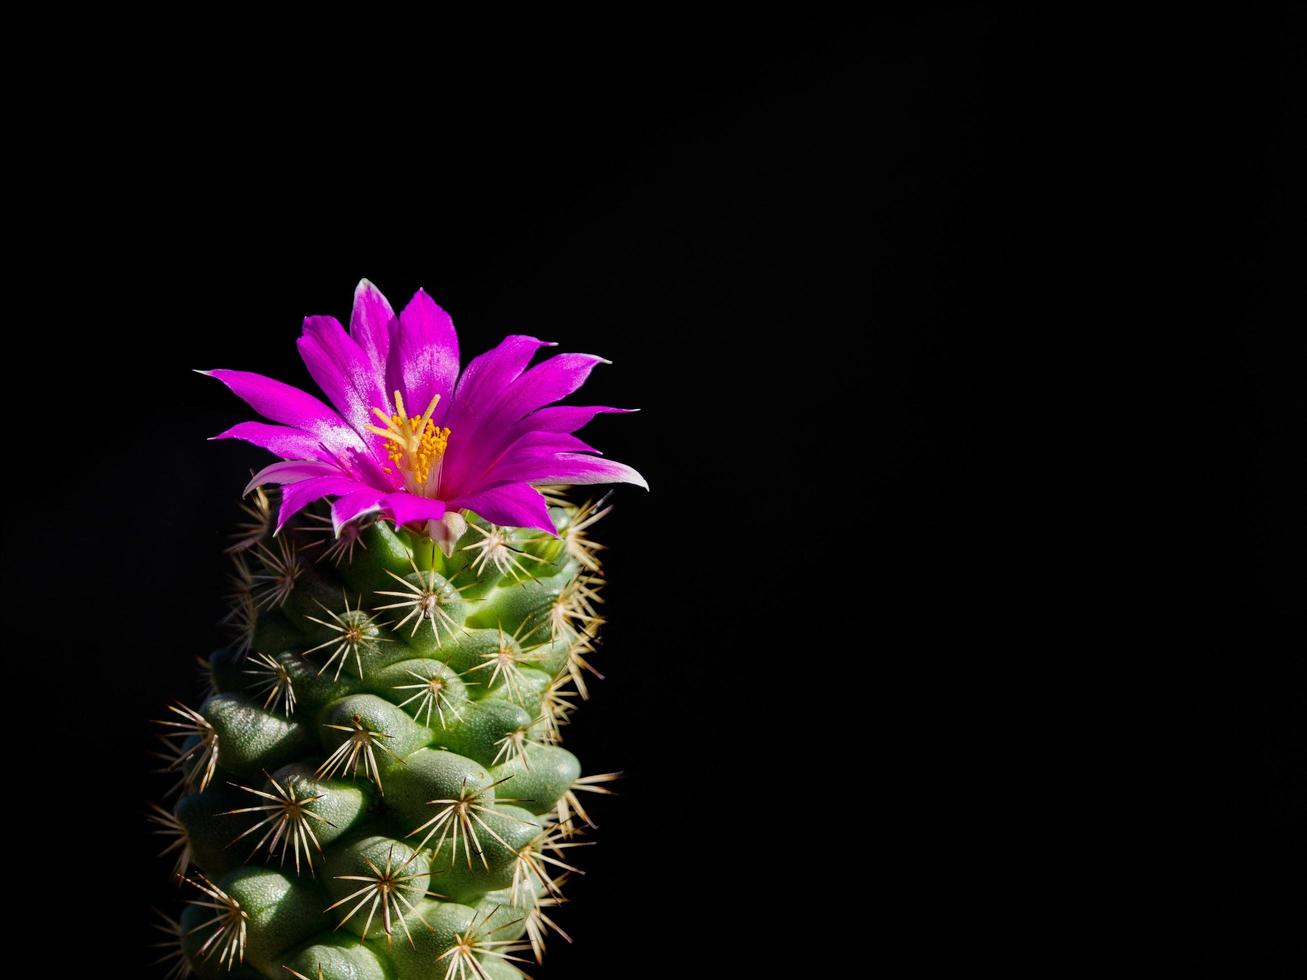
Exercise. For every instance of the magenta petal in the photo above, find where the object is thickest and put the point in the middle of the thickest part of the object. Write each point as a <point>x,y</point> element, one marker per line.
<point>343,371</point>
<point>479,437</point>
<point>291,471</point>
<point>347,508</point>
<point>547,382</point>
<point>488,374</point>
<point>288,405</point>
<point>286,442</point>
<point>555,442</point>
<point>573,468</point>
<point>567,418</point>
<point>423,358</point>
<point>508,465</point>
<point>485,423</point>
<point>369,325</point>
<point>505,432</point>
<point>296,496</point>
<point>406,507</point>
<point>513,505</point>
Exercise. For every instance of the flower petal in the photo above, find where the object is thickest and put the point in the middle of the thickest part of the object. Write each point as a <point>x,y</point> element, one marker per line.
<point>554,442</point>
<point>570,468</point>
<point>511,505</point>
<point>423,357</point>
<point>369,325</point>
<point>550,380</point>
<point>492,408</point>
<point>567,418</point>
<point>406,507</point>
<point>347,508</point>
<point>288,405</point>
<point>286,442</point>
<point>488,374</point>
<point>344,371</point>
<point>296,496</point>
<point>291,471</point>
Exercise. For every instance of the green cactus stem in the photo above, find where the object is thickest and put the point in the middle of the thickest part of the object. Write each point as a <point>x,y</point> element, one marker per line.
<point>374,785</point>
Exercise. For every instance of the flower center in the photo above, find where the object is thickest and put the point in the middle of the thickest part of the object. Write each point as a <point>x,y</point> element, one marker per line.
<point>415,445</point>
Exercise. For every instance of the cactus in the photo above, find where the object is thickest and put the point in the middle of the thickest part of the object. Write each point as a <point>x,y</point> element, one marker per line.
<point>374,787</point>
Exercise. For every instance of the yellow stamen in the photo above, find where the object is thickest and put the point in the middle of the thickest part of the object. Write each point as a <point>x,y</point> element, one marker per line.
<point>415,445</point>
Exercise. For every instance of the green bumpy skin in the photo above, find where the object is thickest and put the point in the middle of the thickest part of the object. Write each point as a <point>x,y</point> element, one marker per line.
<point>373,788</point>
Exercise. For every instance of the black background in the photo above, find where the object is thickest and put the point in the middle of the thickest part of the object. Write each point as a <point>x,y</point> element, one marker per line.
<point>1247,671</point>
<point>963,621</point>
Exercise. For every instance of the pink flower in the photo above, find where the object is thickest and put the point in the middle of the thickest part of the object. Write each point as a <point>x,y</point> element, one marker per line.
<point>412,438</point>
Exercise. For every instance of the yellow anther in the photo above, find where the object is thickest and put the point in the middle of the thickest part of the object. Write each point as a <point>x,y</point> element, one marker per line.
<point>416,445</point>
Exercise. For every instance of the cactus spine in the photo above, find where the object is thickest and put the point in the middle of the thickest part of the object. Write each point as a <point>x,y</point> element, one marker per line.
<point>374,786</point>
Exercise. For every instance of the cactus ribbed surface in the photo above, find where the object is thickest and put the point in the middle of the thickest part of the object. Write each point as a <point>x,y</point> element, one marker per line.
<point>374,787</point>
